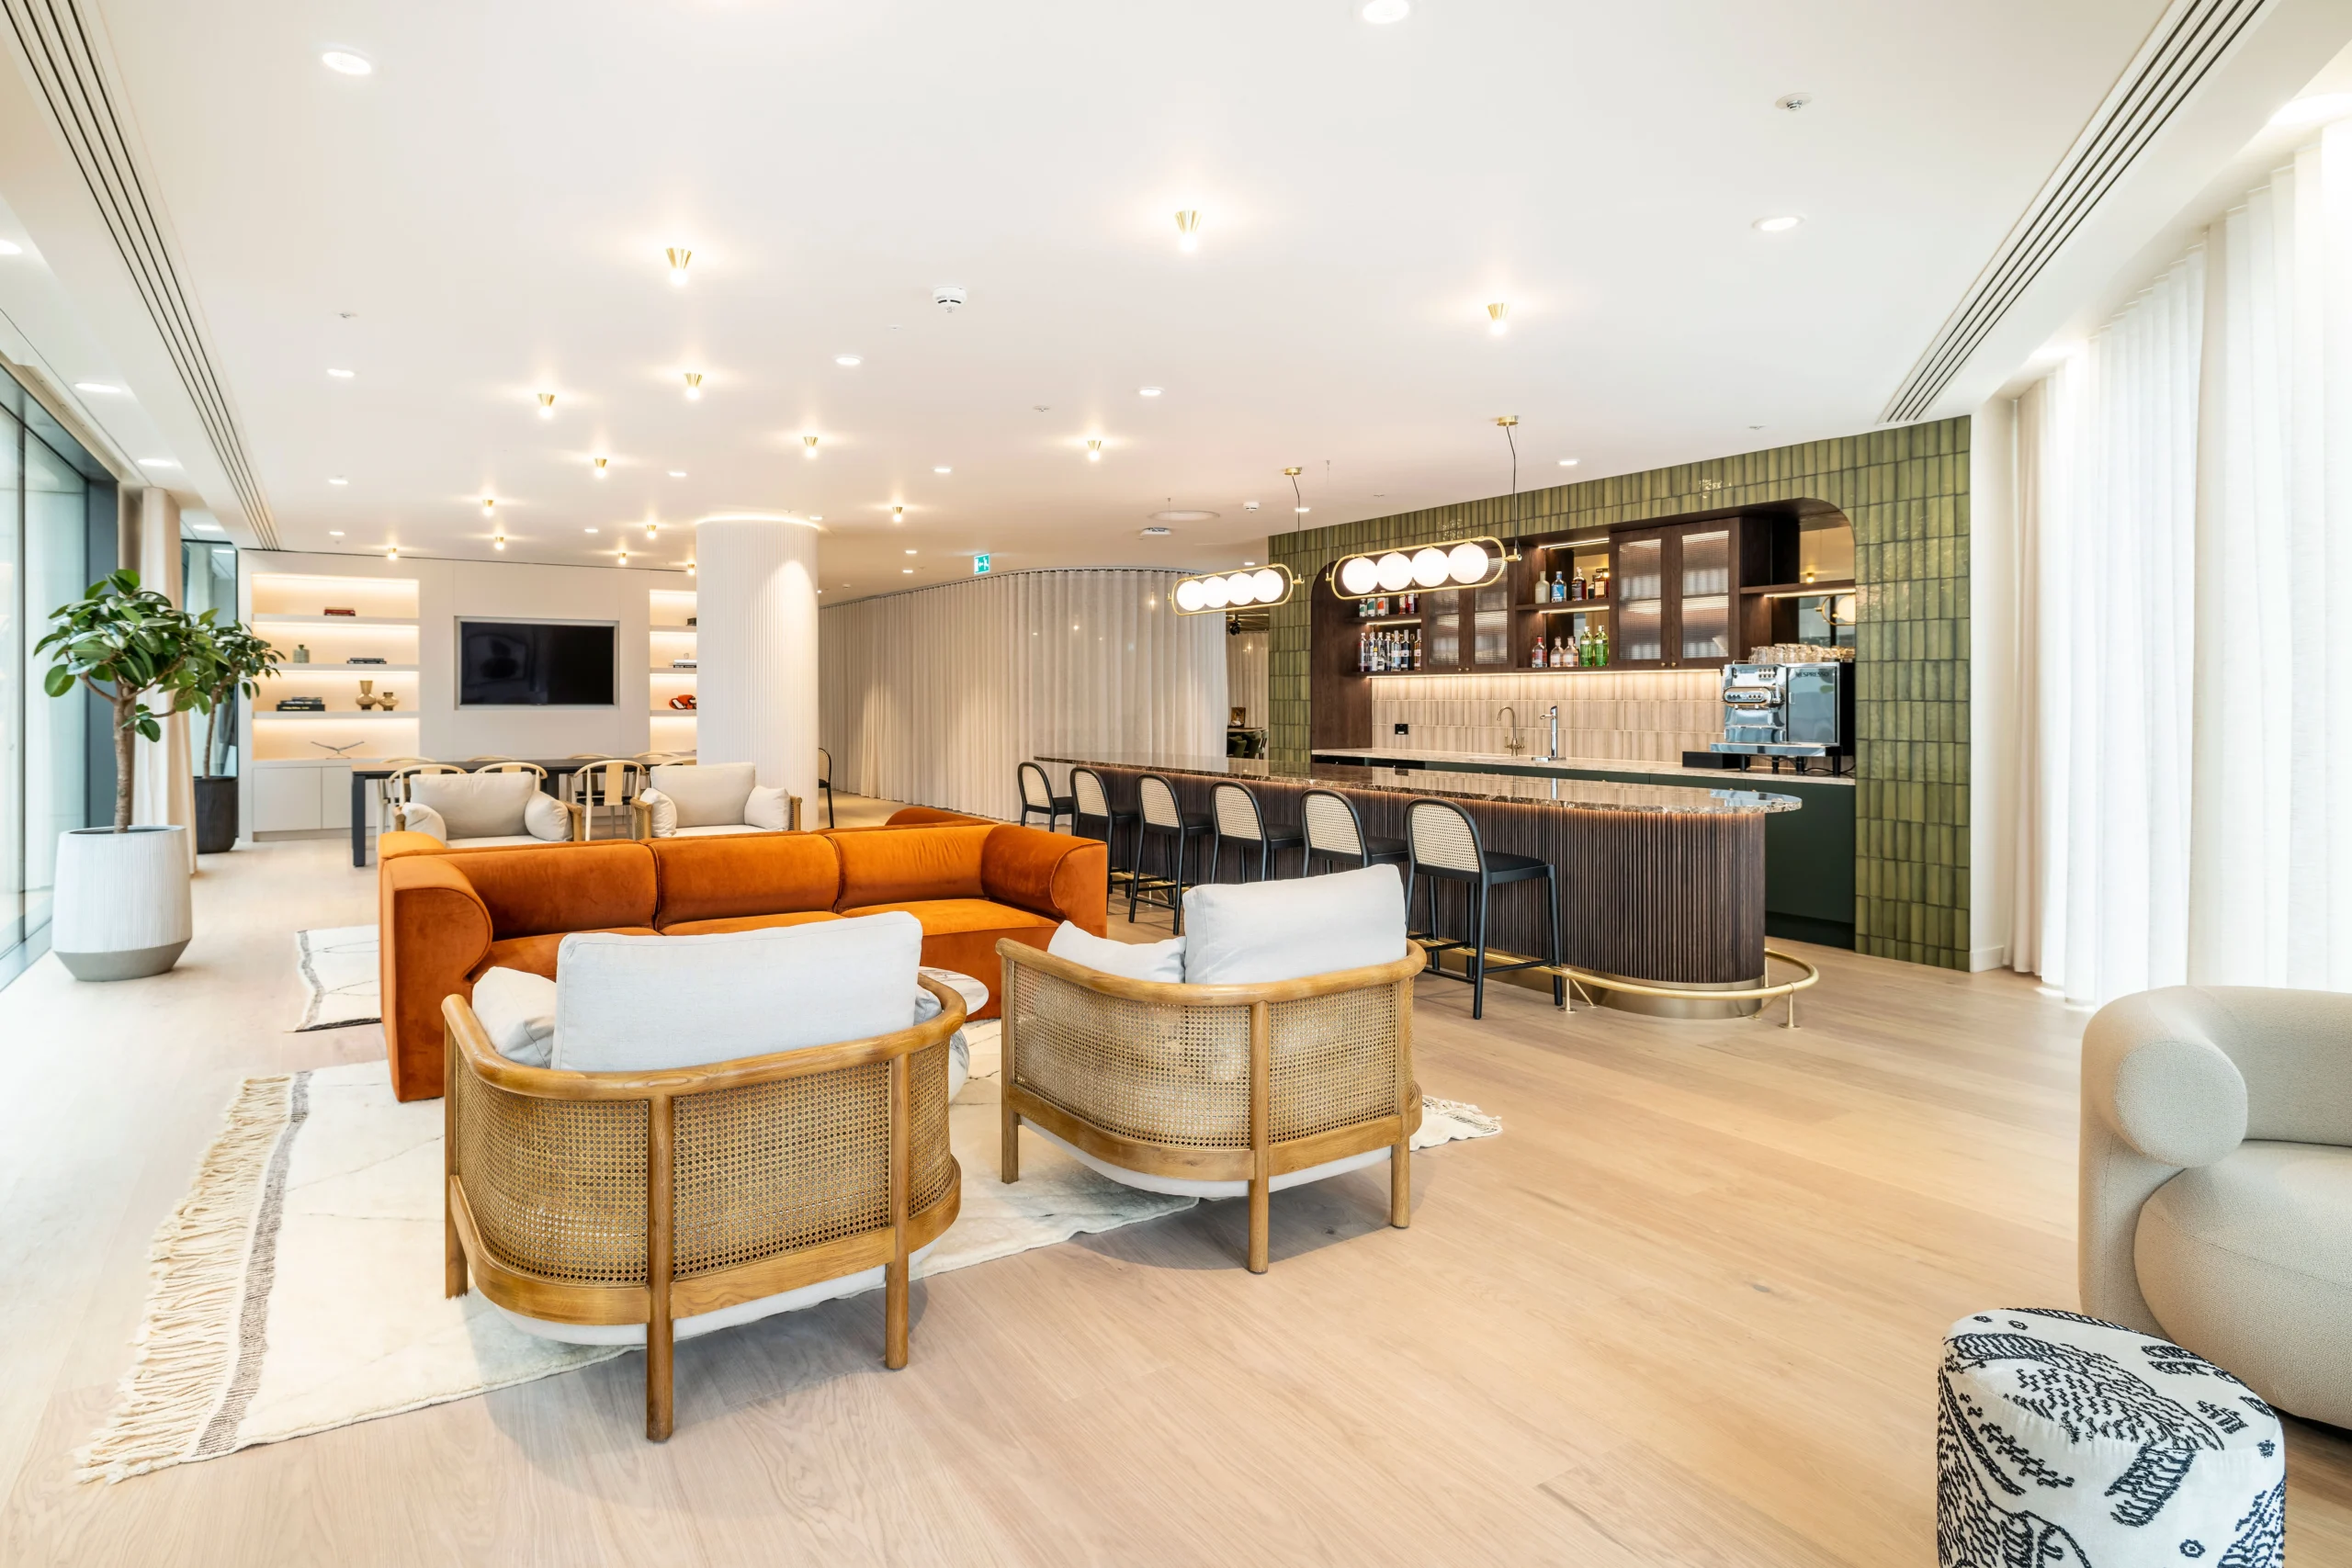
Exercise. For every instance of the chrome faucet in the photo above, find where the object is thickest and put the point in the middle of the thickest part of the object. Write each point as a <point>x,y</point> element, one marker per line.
<point>1514,738</point>
<point>1552,755</point>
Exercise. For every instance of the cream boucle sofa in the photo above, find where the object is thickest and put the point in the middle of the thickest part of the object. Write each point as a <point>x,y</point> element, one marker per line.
<point>2217,1184</point>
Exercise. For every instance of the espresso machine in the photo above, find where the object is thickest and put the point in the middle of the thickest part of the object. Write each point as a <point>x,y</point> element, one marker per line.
<point>1800,712</point>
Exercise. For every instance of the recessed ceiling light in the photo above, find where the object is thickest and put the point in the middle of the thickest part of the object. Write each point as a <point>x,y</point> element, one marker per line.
<point>600,463</point>
<point>679,256</point>
<point>693,385</point>
<point>334,533</point>
<point>206,528</point>
<point>547,405</point>
<point>1188,229</point>
<point>1498,317</point>
<point>588,530</point>
<point>344,62</point>
<point>157,462</point>
<point>1148,391</point>
<point>807,445</point>
<point>101,388</point>
<point>1568,462</point>
<point>897,514</point>
<point>2316,109</point>
<point>910,552</point>
<point>907,571</point>
<point>1248,563</point>
<point>677,473</point>
<point>10,248</point>
<point>1183,514</point>
<point>1093,448</point>
<point>338,480</point>
<point>1779,225</point>
<point>819,517</point>
<point>847,360</point>
<point>1380,12</point>
<point>943,468</point>
<point>339,375</point>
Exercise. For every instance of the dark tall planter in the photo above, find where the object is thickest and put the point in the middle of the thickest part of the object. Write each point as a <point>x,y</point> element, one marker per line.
<point>216,814</point>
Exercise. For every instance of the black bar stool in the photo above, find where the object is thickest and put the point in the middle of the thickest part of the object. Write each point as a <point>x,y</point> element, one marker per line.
<point>1037,794</point>
<point>1446,848</point>
<point>825,782</point>
<point>1168,824</point>
<point>1091,802</point>
<point>1241,818</point>
<point>1335,832</point>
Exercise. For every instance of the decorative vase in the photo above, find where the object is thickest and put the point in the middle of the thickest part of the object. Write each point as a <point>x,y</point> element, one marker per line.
<point>390,700</point>
<point>366,695</point>
<point>216,813</point>
<point>301,653</point>
<point>121,908</point>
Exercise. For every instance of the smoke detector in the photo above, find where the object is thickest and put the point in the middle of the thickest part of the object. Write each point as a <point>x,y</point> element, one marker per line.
<point>947,297</point>
<point>1248,506</point>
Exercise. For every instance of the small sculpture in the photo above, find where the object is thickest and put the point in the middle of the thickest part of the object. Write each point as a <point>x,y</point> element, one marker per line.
<point>391,701</point>
<point>368,699</point>
<point>301,653</point>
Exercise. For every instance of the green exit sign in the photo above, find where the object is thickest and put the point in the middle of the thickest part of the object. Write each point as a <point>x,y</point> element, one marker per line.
<point>979,566</point>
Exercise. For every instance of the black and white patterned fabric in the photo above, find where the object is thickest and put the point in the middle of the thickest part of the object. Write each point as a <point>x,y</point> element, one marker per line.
<point>2066,1443</point>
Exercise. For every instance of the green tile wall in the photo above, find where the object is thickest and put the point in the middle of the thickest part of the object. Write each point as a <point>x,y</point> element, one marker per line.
<point>1906,493</point>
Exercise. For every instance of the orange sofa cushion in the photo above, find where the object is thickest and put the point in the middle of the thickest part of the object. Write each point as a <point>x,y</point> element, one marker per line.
<point>916,863</point>
<point>747,923</point>
<point>535,954</point>
<point>758,873</point>
<point>946,917</point>
<point>560,887</point>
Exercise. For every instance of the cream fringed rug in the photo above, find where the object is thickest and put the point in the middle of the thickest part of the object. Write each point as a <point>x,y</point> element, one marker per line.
<point>298,1286</point>
<point>339,976</point>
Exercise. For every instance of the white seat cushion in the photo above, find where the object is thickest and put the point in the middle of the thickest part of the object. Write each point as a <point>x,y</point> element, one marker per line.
<point>1162,960</point>
<point>2248,1262</point>
<point>640,1003</point>
<point>1248,933</point>
<point>478,806</point>
<point>517,1009</point>
<point>2063,1439</point>
<point>708,794</point>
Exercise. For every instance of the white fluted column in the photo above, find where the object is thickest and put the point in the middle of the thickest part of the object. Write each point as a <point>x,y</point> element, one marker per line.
<point>756,608</point>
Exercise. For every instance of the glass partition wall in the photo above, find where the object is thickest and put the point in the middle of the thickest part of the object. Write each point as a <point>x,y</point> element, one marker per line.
<point>49,498</point>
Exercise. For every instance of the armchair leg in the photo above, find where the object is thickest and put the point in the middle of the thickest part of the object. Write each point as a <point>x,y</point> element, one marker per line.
<point>659,1345</point>
<point>894,1314</point>
<point>453,1265</point>
<point>1008,1159</point>
<point>1260,1191</point>
<point>1401,1182</point>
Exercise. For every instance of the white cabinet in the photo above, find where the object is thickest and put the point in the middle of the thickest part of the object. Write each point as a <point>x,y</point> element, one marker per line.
<point>301,797</point>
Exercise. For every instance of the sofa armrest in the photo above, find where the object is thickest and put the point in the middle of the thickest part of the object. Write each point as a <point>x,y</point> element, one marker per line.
<point>432,930</point>
<point>2158,1096</point>
<point>1053,875</point>
<point>404,841</point>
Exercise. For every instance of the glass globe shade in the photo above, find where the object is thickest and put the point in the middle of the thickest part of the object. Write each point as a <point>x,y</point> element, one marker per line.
<point>1241,589</point>
<point>1429,566</point>
<point>1358,575</point>
<point>1271,585</point>
<point>1188,595</point>
<point>1396,571</point>
<point>1468,563</point>
<point>1213,592</point>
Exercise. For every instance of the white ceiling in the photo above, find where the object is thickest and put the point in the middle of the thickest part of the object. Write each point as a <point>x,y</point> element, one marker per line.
<point>493,201</point>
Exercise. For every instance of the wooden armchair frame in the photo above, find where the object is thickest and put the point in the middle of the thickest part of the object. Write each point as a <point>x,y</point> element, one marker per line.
<point>1214,1083</point>
<point>644,1197</point>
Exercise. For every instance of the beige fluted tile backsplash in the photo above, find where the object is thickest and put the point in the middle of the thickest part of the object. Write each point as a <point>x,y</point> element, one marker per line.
<point>1634,716</point>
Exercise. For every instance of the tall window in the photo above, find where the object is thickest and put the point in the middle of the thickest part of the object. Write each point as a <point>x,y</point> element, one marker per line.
<point>46,504</point>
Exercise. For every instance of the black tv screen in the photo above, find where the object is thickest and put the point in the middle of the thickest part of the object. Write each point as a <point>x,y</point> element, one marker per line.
<point>534,664</point>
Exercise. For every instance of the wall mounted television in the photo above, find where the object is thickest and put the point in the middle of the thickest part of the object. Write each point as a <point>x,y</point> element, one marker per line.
<point>535,663</point>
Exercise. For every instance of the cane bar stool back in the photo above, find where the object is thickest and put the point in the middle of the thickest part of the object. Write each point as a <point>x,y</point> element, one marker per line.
<point>1445,847</point>
<point>1037,796</point>
<point>1335,832</point>
<point>605,786</point>
<point>825,782</point>
<point>1090,801</point>
<point>1240,818</point>
<point>1169,826</point>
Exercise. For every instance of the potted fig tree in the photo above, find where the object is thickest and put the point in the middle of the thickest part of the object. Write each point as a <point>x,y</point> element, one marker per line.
<point>238,662</point>
<point>121,906</point>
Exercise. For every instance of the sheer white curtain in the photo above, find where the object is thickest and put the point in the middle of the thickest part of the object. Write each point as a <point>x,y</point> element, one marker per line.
<point>2186,512</point>
<point>937,695</point>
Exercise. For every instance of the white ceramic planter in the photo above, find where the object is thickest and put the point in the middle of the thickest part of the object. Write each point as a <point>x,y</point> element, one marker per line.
<point>121,908</point>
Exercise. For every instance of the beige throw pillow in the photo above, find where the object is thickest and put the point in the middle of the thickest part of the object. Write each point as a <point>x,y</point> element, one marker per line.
<point>545,816</point>
<point>661,813</point>
<point>765,808</point>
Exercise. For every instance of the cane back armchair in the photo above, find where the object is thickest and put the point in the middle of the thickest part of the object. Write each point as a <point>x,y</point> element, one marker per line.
<point>1214,1090</point>
<point>626,1198</point>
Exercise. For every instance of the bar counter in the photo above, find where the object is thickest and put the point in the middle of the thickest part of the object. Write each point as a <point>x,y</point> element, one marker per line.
<point>1658,883</point>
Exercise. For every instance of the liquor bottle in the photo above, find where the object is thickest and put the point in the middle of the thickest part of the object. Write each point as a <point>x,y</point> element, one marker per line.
<point>1601,583</point>
<point>1535,654</point>
<point>1577,587</point>
<point>1587,652</point>
<point>1416,636</point>
<point>1601,646</point>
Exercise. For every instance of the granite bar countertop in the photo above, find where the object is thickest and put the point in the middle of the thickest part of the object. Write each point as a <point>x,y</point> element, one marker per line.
<point>1567,792</point>
<point>1572,767</point>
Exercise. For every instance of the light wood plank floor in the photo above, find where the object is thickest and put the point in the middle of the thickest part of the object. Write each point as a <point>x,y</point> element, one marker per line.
<point>1684,1311</point>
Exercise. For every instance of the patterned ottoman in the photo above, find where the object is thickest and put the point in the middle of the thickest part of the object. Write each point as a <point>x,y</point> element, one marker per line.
<point>2065,1442</point>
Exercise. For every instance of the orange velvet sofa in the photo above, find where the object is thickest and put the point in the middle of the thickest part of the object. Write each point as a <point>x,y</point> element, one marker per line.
<point>447,916</point>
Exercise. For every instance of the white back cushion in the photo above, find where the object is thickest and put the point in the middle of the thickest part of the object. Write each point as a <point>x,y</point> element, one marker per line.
<point>517,1009</point>
<point>708,795</point>
<point>1131,960</point>
<point>1240,933</point>
<point>477,805</point>
<point>640,1003</point>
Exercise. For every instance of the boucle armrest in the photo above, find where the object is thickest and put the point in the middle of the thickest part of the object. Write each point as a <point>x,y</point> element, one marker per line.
<point>2156,1079</point>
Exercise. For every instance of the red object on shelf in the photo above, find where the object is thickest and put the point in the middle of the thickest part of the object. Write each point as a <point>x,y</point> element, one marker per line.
<point>685,702</point>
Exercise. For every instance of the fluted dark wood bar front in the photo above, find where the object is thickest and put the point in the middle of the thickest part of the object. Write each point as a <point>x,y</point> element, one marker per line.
<point>1659,883</point>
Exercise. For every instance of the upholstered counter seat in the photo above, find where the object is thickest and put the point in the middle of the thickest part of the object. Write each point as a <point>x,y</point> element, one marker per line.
<point>448,916</point>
